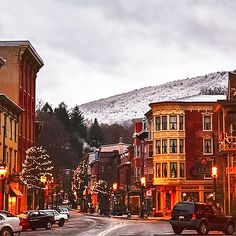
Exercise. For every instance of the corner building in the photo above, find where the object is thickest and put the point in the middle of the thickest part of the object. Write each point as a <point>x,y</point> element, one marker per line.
<point>184,148</point>
<point>18,83</point>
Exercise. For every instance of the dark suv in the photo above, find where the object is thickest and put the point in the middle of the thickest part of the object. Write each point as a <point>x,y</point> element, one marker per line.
<point>200,217</point>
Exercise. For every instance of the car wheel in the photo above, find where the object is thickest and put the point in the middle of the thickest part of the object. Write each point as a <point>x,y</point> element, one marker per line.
<point>6,232</point>
<point>61,222</point>
<point>177,230</point>
<point>229,230</point>
<point>49,225</point>
<point>203,229</point>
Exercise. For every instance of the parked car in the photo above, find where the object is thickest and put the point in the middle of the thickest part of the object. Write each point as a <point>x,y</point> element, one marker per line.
<point>37,219</point>
<point>63,210</point>
<point>59,218</point>
<point>9,224</point>
<point>200,217</point>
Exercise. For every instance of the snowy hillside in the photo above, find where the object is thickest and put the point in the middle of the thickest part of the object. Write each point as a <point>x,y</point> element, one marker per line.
<point>127,106</point>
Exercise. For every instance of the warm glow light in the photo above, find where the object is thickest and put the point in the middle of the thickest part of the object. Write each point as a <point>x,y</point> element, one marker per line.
<point>143,181</point>
<point>3,171</point>
<point>214,171</point>
<point>43,179</point>
<point>114,186</point>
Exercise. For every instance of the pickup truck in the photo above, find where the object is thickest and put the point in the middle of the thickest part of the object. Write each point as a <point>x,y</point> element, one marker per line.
<point>200,217</point>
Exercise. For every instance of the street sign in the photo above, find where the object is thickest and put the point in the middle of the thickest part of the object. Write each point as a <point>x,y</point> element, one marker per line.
<point>231,170</point>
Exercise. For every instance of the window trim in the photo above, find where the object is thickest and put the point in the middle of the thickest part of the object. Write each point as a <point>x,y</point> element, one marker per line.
<point>203,122</point>
<point>203,143</point>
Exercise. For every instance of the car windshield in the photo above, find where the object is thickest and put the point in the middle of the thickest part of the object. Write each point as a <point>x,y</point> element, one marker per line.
<point>184,207</point>
<point>7,214</point>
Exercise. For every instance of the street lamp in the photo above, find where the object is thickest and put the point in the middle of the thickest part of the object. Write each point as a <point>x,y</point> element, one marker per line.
<point>3,172</point>
<point>43,180</point>
<point>214,174</point>
<point>143,185</point>
<point>128,163</point>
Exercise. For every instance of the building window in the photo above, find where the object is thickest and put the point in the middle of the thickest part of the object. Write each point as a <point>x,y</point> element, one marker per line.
<point>164,146</point>
<point>207,146</point>
<point>158,146</point>
<point>15,131</point>
<point>164,170</point>
<point>164,122</point>
<point>173,122</point>
<point>5,125</point>
<point>158,170</point>
<point>150,150</point>
<point>109,169</point>
<point>181,146</point>
<point>173,145</point>
<point>158,123</point>
<point>181,170</point>
<point>207,123</point>
<point>173,169</point>
<point>138,173</point>
<point>11,129</point>
<point>181,123</point>
<point>102,168</point>
<point>149,130</point>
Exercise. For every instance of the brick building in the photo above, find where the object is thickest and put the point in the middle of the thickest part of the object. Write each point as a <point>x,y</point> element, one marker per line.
<point>184,137</point>
<point>18,82</point>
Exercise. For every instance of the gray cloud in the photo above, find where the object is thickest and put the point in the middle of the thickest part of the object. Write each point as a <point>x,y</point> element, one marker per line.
<point>100,48</point>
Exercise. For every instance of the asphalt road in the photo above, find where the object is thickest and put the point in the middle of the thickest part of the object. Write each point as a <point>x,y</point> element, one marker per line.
<point>80,225</point>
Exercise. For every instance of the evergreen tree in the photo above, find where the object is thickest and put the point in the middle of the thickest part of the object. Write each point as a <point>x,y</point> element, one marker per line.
<point>77,123</point>
<point>36,164</point>
<point>47,109</point>
<point>62,114</point>
<point>95,135</point>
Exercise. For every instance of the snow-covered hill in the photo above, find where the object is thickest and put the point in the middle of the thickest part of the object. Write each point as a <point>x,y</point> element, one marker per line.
<point>127,106</point>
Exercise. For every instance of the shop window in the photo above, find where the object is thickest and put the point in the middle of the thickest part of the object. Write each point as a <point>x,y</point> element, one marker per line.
<point>158,146</point>
<point>181,146</point>
<point>181,122</point>
<point>164,170</point>
<point>158,123</point>
<point>207,149</point>
<point>164,146</point>
<point>164,122</point>
<point>181,170</point>
<point>158,170</point>
<point>173,122</point>
<point>207,123</point>
<point>173,169</point>
<point>173,145</point>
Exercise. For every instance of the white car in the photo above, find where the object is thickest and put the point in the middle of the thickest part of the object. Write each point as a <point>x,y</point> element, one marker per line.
<point>59,218</point>
<point>9,224</point>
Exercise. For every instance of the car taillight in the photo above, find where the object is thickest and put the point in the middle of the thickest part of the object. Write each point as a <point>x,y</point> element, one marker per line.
<point>23,222</point>
<point>194,217</point>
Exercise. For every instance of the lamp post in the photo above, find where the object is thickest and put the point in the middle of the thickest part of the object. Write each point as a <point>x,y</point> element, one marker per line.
<point>43,180</point>
<point>114,189</point>
<point>127,174</point>
<point>143,184</point>
<point>214,174</point>
<point>3,172</point>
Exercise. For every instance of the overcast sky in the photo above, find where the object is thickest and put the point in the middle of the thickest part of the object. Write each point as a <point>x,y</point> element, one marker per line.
<point>93,49</point>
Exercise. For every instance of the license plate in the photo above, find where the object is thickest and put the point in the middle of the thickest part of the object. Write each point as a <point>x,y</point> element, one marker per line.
<point>181,217</point>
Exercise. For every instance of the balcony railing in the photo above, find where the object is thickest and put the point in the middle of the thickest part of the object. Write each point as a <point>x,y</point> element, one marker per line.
<point>227,144</point>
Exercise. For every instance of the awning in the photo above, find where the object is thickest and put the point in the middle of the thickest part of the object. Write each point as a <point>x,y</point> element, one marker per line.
<point>16,192</point>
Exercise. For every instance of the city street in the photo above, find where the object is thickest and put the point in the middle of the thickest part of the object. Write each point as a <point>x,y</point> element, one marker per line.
<point>104,226</point>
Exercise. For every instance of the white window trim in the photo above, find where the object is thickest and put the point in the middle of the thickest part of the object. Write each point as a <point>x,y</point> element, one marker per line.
<point>204,123</point>
<point>203,146</point>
